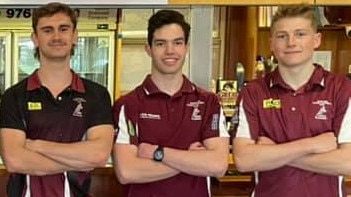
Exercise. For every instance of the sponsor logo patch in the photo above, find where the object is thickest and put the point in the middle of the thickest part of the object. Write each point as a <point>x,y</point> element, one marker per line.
<point>150,116</point>
<point>34,106</point>
<point>215,122</point>
<point>131,128</point>
<point>272,103</point>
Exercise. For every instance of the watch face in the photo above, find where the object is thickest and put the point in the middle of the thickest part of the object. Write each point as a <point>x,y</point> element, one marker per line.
<point>158,154</point>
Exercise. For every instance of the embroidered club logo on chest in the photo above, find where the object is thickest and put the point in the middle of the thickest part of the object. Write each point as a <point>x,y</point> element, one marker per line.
<point>322,112</point>
<point>79,107</point>
<point>195,115</point>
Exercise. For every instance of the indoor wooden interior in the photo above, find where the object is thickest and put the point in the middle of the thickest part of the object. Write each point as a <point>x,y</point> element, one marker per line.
<point>244,40</point>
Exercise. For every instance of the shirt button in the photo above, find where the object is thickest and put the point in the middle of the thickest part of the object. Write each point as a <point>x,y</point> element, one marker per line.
<point>294,94</point>
<point>293,109</point>
<point>59,98</point>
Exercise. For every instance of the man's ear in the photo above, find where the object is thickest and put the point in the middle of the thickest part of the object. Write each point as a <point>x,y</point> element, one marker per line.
<point>34,39</point>
<point>147,48</point>
<point>75,37</point>
<point>317,40</point>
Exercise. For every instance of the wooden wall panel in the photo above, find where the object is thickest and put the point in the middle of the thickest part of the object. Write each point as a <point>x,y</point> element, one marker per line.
<point>240,40</point>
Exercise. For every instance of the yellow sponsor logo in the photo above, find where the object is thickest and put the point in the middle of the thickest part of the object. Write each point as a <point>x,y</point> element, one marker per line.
<point>32,106</point>
<point>272,103</point>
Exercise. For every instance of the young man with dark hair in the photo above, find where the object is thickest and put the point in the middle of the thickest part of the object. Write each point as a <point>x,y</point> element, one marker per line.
<point>55,126</point>
<point>171,134</point>
<point>294,127</point>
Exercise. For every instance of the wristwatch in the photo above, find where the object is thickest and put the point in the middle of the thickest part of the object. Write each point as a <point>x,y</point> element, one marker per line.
<point>158,154</point>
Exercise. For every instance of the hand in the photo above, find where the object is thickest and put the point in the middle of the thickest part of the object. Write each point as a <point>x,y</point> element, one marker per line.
<point>146,150</point>
<point>324,142</point>
<point>262,140</point>
<point>196,146</point>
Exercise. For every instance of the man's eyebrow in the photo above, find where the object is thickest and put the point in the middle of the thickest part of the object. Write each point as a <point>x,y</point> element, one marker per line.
<point>164,40</point>
<point>51,27</point>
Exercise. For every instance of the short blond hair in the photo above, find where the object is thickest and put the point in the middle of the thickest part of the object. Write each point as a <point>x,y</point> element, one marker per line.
<point>298,10</point>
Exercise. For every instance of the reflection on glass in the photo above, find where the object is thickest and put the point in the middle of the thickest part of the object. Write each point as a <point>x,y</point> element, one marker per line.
<point>27,62</point>
<point>90,59</point>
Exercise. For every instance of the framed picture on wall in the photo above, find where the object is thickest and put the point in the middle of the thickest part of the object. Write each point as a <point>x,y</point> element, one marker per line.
<point>227,92</point>
<point>323,58</point>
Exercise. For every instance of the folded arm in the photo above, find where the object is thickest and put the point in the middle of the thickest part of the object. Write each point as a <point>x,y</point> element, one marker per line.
<point>336,162</point>
<point>130,168</point>
<point>18,159</point>
<point>250,155</point>
<point>211,160</point>
<point>88,154</point>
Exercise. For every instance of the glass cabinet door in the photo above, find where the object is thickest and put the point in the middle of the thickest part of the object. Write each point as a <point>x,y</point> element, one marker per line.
<point>24,62</point>
<point>5,61</point>
<point>93,57</point>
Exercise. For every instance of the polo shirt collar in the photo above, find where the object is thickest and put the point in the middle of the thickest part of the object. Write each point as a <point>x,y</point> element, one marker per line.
<point>34,82</point>
<point>317,78</point>
<point>150,87</point>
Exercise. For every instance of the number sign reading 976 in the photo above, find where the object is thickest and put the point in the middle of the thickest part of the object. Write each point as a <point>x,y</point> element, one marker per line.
<point>18,13</point>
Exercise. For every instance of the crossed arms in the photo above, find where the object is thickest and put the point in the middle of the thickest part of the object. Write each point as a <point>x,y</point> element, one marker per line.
<point>134,164</point>
<point>320,154</point>
<point>40,157</point>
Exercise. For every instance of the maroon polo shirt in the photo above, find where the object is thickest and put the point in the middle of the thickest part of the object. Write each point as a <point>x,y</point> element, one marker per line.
<point>30,107</point>
<point>269,107</point>
<point>149,115</point>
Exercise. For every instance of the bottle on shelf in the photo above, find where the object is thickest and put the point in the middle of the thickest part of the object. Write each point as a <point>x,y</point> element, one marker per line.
<point>240,75</point>
<point>259,67</point>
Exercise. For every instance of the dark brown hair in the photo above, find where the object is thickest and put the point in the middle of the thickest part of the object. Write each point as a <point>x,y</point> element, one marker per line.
<point>166,17</point>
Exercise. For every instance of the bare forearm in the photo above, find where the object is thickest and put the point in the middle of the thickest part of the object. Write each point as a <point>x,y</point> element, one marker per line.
<point>79,154</point>
<point>337,162</point>
<point>263,157</point>
<point>91,153</point>
<point>133,169</point>
<point>144,171</point>
<point>28,162</point>
<point>267,155</point>
<point>197,162</point>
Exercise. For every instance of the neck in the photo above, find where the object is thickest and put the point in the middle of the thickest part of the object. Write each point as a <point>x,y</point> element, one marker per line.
<point>55,76</point>
<point>298,76</point>
<point>169,84</point>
